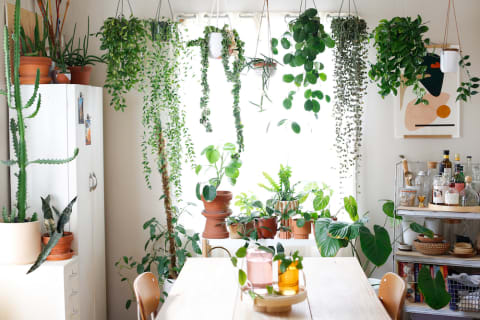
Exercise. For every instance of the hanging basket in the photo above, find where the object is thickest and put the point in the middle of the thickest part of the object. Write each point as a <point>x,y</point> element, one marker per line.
<point>215,45</point>
<point>449,59</point>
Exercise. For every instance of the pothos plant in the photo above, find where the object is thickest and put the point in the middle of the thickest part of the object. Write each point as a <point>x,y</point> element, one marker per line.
<point>467,88</point>
<point>158,258</point>
<point>331,235</point>
<point>124,39</point>
<point>350,56</point>
<point>309,40</point>
<point>225,162</point>
<point>400,46</point>
<point>232,48</point>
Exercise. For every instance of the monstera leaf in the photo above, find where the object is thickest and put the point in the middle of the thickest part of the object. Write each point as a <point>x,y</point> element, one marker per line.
<point>327,245</point>
<point>433,289</point>
<point>377,246</point>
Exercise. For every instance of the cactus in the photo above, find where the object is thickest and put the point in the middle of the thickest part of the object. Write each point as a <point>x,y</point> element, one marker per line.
<point>63,219</point>
<point>17,127</point>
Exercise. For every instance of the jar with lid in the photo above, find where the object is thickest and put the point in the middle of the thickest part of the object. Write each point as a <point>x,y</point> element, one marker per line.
<point>452,197</point>
<point>440,186</point>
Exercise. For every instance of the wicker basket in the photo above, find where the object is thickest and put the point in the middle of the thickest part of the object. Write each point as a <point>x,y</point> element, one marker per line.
<point>432,249</point>
<point>437,238</point>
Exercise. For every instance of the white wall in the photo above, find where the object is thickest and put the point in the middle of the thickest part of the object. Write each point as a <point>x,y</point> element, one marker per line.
<point>129,203</point>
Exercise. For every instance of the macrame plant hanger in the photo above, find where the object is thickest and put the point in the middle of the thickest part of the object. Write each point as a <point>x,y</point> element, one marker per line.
<point>451,4</point>
<point>216,8</point>
<point>350,2</point>
<point>303,4</point>
<point>158,26</point>
<point>269,30</point>
<point>119,11</point>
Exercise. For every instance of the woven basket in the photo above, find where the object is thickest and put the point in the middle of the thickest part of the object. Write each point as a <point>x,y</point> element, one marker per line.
<point>437,238</point>
<point>432,249</point>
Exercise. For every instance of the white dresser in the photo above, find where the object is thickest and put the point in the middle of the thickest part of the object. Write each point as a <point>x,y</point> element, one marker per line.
<point>55,133</point>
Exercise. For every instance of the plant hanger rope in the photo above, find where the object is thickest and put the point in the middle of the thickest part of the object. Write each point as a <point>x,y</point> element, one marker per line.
<point>159,8</point>
<point>269,29</point>
<point>303,4</point>
<point>120,6</point>
<point>451,4</point>
<point>349,7</point>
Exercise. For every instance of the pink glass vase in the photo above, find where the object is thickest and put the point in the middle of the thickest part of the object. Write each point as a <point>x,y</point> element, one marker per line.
<point>259,268</point>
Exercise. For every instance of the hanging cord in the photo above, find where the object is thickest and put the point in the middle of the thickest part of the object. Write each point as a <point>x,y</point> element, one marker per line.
<point>159,9</point>
<point>269,30</point>
<point>121,8</point>
<point>349,8</point>
<point>260,28</point>
<point>447,24</point>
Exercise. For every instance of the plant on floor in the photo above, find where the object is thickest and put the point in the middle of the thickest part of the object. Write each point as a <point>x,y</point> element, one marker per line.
<point>400,46</point>
<point>310,40</point>
<point>124,39</point>
<point>350,56</point>
<point>232,46</point>
<point>158,257</point>
<point>225,162</point>
<point>17,127</point>
<point>54,229</point>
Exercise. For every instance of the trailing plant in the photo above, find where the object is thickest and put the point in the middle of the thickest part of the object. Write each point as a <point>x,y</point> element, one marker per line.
<point>125,42</point>
<point>158,258</point>
<point>350,56</point>
<point>467,88</point>
<point>54,229</point>
<point>165,69</point>
<point>309,41</point>
<point>36,46</point>
<point>225,163</point>
<point>267,66</point>
<point>17,125</point>
<point>400,45</point>
<point>79,56</point>
<point>232,46</point>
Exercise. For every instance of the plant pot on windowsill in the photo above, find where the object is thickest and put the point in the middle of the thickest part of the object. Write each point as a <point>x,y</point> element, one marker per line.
<point>19,242</point>
<point>235,229</point>
<point>29,66</point>
<point>80,74</point>
<point>215,212</point>
<point>284,207</point>
<point>62,250</point>
<point>266,227</point>
<point>301,232</point>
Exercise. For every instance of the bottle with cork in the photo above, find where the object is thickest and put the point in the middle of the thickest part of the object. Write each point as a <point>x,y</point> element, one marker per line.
<point>446,164</point>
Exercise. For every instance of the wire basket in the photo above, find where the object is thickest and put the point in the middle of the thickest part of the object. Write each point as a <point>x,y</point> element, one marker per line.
<point>464,297</point>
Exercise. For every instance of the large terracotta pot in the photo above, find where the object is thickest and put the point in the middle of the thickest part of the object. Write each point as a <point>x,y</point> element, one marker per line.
<point>284,207</point>
<point>30,65</point>
<point>80,75</point>
<point>267,227</point>
<point>19,242</point>
<point>221,203</point>
<point>303,232</point>
<point>235,229</point>
<point>62,250</point>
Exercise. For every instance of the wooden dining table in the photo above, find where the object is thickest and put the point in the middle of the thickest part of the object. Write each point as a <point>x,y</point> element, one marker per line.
<point>207,288</point>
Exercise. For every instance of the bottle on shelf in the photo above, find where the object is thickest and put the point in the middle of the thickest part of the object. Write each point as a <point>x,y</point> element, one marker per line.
<point>452,197</point>
<point>446,164</point>
<point>440,186</point>
<point>468,170</point>
<point>456,160</point>
<point>469,197</point>
<point>420,180</point>
<point>431,173</point>
<point>459,178</point>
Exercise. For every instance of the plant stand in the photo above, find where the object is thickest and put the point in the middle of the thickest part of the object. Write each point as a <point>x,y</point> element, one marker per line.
<point>215,227</point>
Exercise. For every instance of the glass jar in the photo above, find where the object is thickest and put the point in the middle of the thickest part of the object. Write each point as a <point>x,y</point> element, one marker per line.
<point>468,196</point>
<point>420,182</point>
<point>407,197</point>
<point>259,268</point>
<point>431,173</point>
<point>440,186</point>
<point>452,197</point>
<point>288,280</point>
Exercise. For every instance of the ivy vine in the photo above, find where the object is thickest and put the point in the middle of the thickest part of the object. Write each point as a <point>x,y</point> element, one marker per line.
<point>125,42</point>
<point>350,56</point>
<point>232,46</point>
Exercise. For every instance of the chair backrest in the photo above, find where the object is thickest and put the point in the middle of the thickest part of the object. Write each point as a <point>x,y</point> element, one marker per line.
<point>147,292</point>
<point>392,294</point>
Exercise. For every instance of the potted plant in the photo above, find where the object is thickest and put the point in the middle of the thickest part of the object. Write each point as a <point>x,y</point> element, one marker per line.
<point>34,56</point>
<point>57,243</point>
<point>224,162</point>
<point>266,222</point>
<point>231,47</point>
<point>62,62</point>
<point>266,67</point>
<point>302,225</point>
<point>285,201</point>
<point>80,62</point>
<point>309,40</point>
<point>20,232</point>
<point>249,211</point>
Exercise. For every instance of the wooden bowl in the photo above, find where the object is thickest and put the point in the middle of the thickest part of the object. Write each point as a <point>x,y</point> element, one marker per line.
<point>273,303</point>
<point>464,255</point>
<point>432,248</point>
<point>436,238</point>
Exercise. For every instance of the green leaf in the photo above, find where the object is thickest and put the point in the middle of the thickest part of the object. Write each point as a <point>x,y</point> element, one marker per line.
<point>339,230</point>
<point>327,245</point>
<point>433,289</point>
<point>241,252</point>
<point>377,246</point>
<point>288,78</point>
<point>212,155</point>
<point>320,202</point>
<point>388,208</point>
<point>285,43</point>
<point>234,261</point>
<point>197,192</point>
<point>242,277</point>
<point>229,147</point>
<point>307,94</point>
<point>315,106</point>
<point>298,80</point>
<point>288,58</point>
<point>308,105</point>
<point>421,229</point>
<point>351,207</point>
<point>322,76</point>
<point>198,168</point>
<point>312,78</point>
<point>209,192</point>
<point>128,304</point>
<point>232,172</point>
<point>274,42</point>
<point>287,103</point>
<point>296,127</point>
<point>300,222</point>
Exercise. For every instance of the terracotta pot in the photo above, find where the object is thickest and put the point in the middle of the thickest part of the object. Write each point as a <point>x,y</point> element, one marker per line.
<point>62,250</point>
<point>284,207</point>
<point>249,228</point>
<point>80,75</point>
<point>20,242</point>
<point>215,227</point>
<point>221,202</point>
<point>30,65</point>
<point>62,78</point>
<point>303,232</point>
<point>267,227</point>
<point>235,229</point>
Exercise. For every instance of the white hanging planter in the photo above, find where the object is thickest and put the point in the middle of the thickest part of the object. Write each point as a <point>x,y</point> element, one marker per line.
<point>215,45</point>
<point>20,243</point>
<point>449,59</point>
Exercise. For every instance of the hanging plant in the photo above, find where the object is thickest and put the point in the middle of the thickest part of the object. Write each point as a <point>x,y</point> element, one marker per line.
<point>125,42</point>
<point>401,50</point>
<point>350,56</point>
<point>266,68</point>
<point>309,41</point>
<point>233,47</point>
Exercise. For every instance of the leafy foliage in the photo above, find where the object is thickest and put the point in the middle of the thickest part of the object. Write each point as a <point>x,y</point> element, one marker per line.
<point>467,88</point>
<point>433,289</point>
<point>400,52</point>
<point>283,190</point>
<point>35,46</point>
<point>267,66</point>
<point>79,56</point>
<point>350,56</point>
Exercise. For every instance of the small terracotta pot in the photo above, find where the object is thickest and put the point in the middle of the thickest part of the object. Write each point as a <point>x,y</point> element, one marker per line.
<point>80,75</point>
<point>303,232</point>
<point>30,65</point>
<point>284,207</point>
<point>267,227</point>
<point>62,250</point>
<point>235,229</point>
<point>215,227</point>
<point>249,228</point>
<point>62,78</point>
<point>221,202</point>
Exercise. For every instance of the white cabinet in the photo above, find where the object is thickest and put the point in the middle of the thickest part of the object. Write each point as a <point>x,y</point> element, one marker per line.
<point>55,133</point>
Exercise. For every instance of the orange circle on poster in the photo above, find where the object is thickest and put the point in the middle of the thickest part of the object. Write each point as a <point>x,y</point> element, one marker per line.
<point>443,111</point>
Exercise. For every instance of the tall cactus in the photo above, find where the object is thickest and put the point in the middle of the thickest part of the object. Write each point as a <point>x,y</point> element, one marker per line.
<point>17,127</point>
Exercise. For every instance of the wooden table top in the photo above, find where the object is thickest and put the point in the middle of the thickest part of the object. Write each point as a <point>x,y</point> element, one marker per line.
<point>207,288</point>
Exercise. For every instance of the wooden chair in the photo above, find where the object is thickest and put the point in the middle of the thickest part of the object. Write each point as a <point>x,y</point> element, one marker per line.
<point>392,294</point>
<point>147,292</point>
